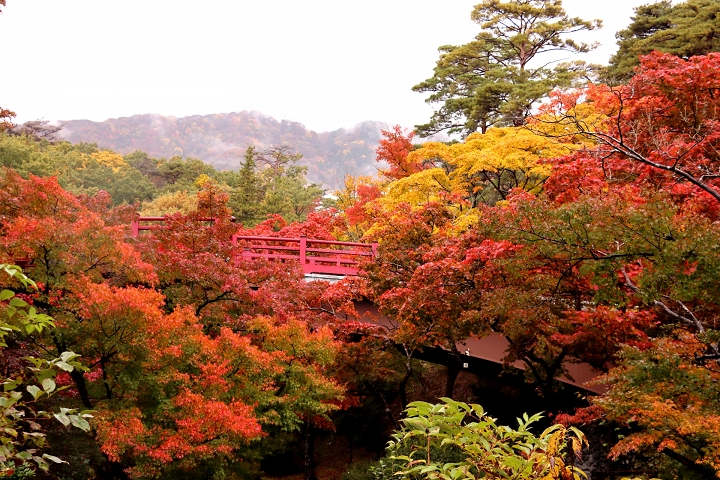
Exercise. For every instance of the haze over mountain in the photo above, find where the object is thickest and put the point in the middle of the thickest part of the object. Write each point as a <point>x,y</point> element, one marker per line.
<point>221,139</point>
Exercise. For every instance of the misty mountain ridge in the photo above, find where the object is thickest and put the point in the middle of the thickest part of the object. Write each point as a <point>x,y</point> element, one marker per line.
<point>221,140</point>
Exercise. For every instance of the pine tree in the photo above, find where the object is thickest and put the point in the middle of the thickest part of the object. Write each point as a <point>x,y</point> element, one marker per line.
<point>493,80</point>
<point>246,200</point>
<point>685,30</point>
<point>287,192</point>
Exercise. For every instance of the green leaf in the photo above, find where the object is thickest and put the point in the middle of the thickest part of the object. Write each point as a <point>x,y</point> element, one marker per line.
<point>17,302</point>
<point>6,295</point>
<point>418,424</point>
<point>68,356</point>
<point>65,366</point>
<point>79,422</point>
<point>62,418</point>
<point>48,385</point>
<point>34,391</point>
<point>46,373</point>
<point>11,385</point>
<point>53,458</point>
<point>44,466</point>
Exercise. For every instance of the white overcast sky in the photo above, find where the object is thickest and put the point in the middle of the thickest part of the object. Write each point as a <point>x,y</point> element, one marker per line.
<point>324,63</point>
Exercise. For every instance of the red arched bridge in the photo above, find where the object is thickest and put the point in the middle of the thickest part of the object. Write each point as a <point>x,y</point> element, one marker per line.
<point>342,259</point>
<point>316,256</point>
<point>326,257</point>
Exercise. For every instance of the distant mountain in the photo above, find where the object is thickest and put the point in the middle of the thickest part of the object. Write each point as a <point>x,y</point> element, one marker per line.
<point>221,140</point>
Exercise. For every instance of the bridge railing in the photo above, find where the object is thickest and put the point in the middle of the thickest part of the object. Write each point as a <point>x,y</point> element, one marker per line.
<point>329,257</point>
<point>153,223</point>
<point>316,256</point>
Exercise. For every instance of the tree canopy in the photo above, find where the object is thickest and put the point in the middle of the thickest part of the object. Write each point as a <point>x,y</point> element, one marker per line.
<point>587,235</point>
<point>500,76</point>
<point>582,240</point>
<point>166,186</point>
<point>684,29</point>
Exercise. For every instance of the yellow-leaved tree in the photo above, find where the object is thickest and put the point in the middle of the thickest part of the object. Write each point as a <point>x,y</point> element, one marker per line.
<point>110,159</point>
<point>486,167</point>
<point>181,201</point>
<point>483,169</point>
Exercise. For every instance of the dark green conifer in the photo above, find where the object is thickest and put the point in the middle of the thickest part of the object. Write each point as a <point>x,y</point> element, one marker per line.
<point>499,77</point>
<point>246,201</point>
<point>686,29</point>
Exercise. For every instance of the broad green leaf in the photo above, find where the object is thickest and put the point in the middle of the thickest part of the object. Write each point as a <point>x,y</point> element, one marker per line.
<point>68,356</point>
<point>79,422</point>
<point>53,458</point>
<point>48,385</point>
<point>11,385</point>
<point>24,455</point>
<point>34,391</point>
<point>46,373</point>
<point>62,418</point>
<point>17,302</point>
<point>65,366</point>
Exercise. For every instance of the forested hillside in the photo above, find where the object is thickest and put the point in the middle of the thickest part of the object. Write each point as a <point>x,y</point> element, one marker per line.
<point>221,140</point>
<point>266,182</point>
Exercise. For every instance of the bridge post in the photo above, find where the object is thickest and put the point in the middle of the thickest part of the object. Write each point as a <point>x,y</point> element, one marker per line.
<point>303,250</point>
<point>234,242</point>
<point>135,228</point>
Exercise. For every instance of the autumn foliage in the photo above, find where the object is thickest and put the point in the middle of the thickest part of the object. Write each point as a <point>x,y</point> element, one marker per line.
<point>6,117</point>
<point>588,236</point>
<point>394,148</point>
<point>187,363</point>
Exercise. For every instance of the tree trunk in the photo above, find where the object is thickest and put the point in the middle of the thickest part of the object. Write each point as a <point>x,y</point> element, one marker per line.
<point>369,387</point>
<point>406,378</point>
<point>79,380</point>
<point>309,451</point>
<point>110,470</point>
<point>452,373</point>
<point>705,471</point>
<point>108,389</point>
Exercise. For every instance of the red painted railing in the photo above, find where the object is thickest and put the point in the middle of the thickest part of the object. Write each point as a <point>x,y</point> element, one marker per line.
<point>140,223</point>
<point>316,256</point>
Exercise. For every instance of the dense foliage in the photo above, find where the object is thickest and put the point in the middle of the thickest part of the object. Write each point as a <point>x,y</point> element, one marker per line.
<point>431,435</point>
<point>268,182</point>
<point>174,382</point>
<point>683,29</point>
<point>585,234</point>
<point>499,77</point>
<point>588,236</point>
<point>22,438</point>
